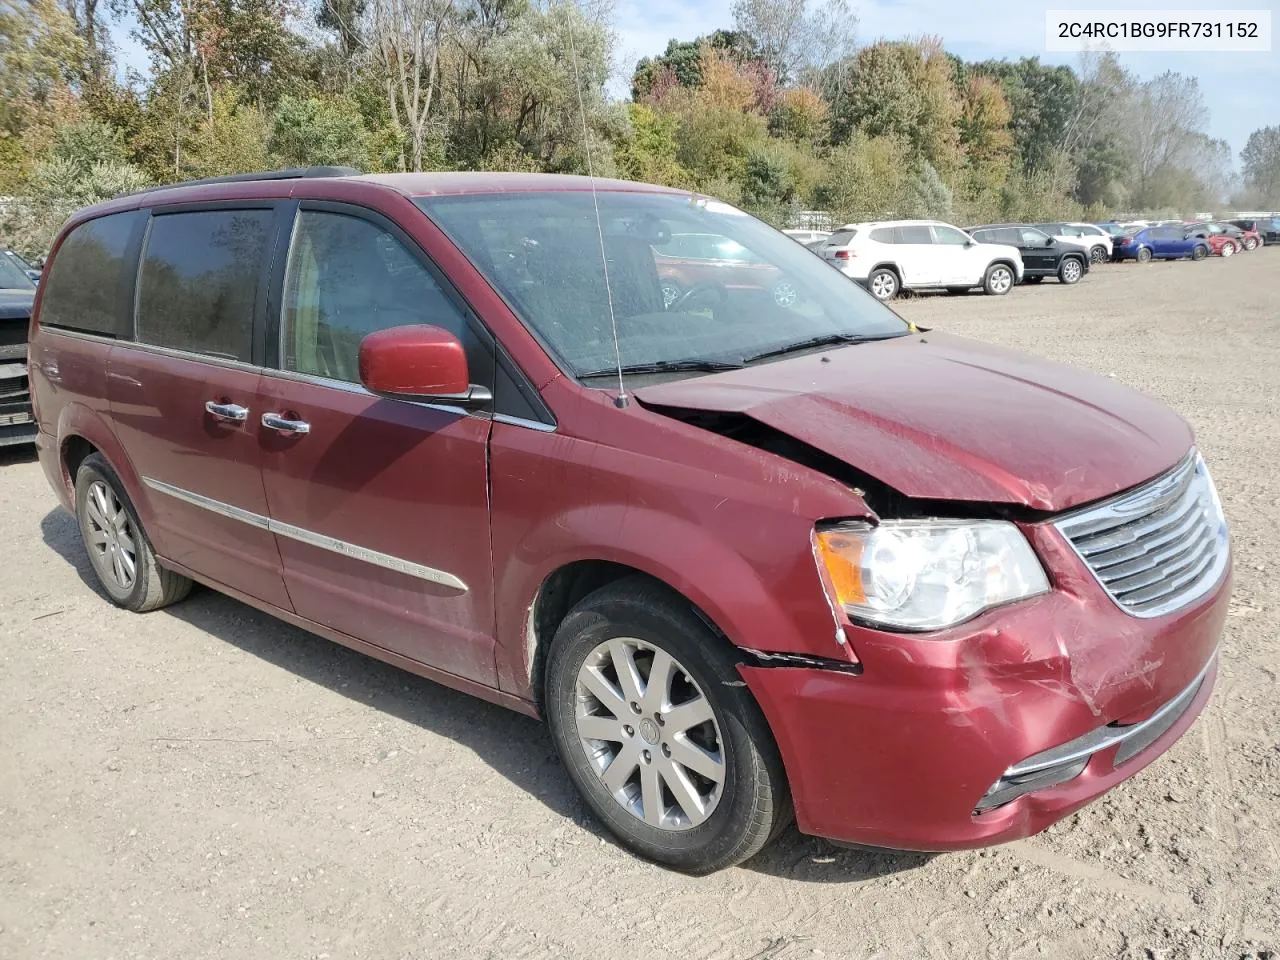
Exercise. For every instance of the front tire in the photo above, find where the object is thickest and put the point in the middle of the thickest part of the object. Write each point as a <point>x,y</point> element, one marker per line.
<point>1070,271</point>
<point>118,548</point>
<point>1228,250</point>
<point>669,750</point>
<point>999,280</point>
<point>883,284</point>
<point>1250,243</point>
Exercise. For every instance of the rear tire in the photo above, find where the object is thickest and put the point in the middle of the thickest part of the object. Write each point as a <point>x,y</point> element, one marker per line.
<point>883,284</point>
<point>1070,270</point>
<point>1144,255</point>
<point>1228,250</point>
<point>602,712</point>
<point>1250,243</point>
<point>1098,254</point>
<point>999,280</point>
<point>119,550</point>
<point>1199,252</point>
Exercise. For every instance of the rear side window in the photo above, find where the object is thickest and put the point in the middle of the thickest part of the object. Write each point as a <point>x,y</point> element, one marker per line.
<point>199,280</point>
<point>89,286</point>
<point>914,234</point>
<point>842,237</point>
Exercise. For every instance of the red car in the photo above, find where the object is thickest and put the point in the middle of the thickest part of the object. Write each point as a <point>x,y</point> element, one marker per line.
<point>689,262</point>
<point>749,560</point>
<point>1226,239</point>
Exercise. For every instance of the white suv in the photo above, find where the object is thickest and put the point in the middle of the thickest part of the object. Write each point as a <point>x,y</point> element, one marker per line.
<point>894,255</point>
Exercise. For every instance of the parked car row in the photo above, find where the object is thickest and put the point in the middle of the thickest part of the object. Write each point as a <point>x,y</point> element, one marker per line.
<point>890,256</point>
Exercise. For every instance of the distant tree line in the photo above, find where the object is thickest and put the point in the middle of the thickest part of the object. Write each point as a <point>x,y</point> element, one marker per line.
<point>779,112</point>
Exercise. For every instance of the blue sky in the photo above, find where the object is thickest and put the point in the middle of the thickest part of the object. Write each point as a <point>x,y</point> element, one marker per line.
<point>1242,91</point>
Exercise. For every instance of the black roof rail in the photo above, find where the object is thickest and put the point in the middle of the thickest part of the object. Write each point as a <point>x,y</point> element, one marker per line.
<point>293,173</point>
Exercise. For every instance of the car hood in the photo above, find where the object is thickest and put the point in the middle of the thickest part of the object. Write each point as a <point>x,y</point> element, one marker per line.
<point>947,418</point>
<point>16,304</point>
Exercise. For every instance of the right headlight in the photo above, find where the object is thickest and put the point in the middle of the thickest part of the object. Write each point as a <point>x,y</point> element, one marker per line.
<point>927,574</point>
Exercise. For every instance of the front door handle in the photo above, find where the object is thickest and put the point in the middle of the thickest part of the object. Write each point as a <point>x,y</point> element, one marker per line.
<point>274,421</point>
<point>231,412</point>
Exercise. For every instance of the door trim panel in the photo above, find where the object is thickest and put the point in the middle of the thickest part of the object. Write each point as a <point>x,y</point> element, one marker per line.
<point>343,547</point>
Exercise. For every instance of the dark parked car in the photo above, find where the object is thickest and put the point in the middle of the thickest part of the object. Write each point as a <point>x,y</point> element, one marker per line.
<point>1266,228</point>
<point>1042,255</point>
<point>16,295</point>
<point>1161,243</point>
<point>924,593</point>
<point>31,270</point>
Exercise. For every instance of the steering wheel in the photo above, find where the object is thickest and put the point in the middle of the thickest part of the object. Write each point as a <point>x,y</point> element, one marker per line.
<point>708,286</point>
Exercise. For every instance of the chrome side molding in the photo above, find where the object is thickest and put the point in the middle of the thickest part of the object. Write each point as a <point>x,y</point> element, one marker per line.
<point>302,535</point>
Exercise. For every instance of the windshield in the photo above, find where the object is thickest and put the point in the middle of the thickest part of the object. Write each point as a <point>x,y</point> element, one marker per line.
<point>13,276</point>
<point>691,279</point>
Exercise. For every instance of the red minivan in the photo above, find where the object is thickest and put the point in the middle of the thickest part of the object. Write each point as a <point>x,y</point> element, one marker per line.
<point>751,557</point>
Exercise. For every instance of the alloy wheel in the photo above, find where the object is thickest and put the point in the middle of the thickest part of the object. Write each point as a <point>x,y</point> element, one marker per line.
<point>883,286</point>
<point>785,294</point>
<point>1098,254</point>
<point>1071,271</point>
<point>1228,249</point>
<point>1001,280</point>
<point>111,537</point>
<point>649,733</point>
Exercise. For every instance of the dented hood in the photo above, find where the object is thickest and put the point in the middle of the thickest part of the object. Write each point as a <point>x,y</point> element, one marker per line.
<point>947,418</point>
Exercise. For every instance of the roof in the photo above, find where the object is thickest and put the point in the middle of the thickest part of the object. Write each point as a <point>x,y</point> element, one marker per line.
<point>457,182</point>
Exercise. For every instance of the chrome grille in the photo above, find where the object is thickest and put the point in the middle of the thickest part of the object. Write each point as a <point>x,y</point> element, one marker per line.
<point>1159,547</point>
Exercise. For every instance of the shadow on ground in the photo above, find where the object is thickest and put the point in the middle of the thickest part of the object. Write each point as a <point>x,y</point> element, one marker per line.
<point>513,745</point>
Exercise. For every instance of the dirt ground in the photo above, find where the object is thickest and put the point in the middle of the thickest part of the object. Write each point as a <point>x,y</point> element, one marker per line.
<point>207,782</point>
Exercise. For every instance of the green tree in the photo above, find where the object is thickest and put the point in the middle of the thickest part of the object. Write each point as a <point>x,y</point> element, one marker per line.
<point>235,140</point>
<point>1260,159</point>
<point>312,132</point>
<point>647,152</point>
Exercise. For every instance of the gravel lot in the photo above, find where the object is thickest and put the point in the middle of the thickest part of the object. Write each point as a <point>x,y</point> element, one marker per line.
<point>207,782</point>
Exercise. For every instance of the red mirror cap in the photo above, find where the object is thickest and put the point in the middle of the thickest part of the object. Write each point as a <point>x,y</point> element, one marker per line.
<point>414,361</point>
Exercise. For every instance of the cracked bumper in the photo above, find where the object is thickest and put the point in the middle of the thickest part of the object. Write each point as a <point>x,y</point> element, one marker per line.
<point>902,755</point>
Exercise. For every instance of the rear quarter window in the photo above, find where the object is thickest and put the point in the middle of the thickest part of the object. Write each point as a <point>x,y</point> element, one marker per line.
<point>842,237</point>
<point>89,285</point>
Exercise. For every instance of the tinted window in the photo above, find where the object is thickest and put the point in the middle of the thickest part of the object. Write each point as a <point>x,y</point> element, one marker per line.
<point>199,280</point>
<point>884,235</point>
<point>89,285</point>
<point>949,235</point>
<point>914,234</point>
<point>1031,238</point>
<point>347,278</point>
<point>841,237</point>
<point>984,236</point>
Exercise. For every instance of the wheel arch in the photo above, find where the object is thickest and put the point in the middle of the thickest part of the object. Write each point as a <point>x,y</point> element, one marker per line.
<point>83,431</point>
<point>562,589</point>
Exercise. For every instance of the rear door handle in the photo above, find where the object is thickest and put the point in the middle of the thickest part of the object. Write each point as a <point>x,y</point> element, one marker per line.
<point>231,412</point>
<point>274,421</point>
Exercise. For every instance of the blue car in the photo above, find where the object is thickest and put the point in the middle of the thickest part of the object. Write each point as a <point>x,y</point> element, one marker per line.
<point>1160,243</point>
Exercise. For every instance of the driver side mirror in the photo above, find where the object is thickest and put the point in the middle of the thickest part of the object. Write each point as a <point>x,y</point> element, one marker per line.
<point>418,362</point>
<point>1048,241</point>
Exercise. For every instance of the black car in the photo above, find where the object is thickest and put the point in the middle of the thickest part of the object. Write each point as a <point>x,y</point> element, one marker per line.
<point>1268,227</point>
<point>17,293</point>
<point>1042,256</point>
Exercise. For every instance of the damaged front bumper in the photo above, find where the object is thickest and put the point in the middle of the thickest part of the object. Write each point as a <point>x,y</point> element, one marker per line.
<point>993,730</point>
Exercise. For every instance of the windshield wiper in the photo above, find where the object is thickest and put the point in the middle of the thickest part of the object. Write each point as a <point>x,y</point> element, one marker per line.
<point>666,366</point>
<point>826,340</point>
